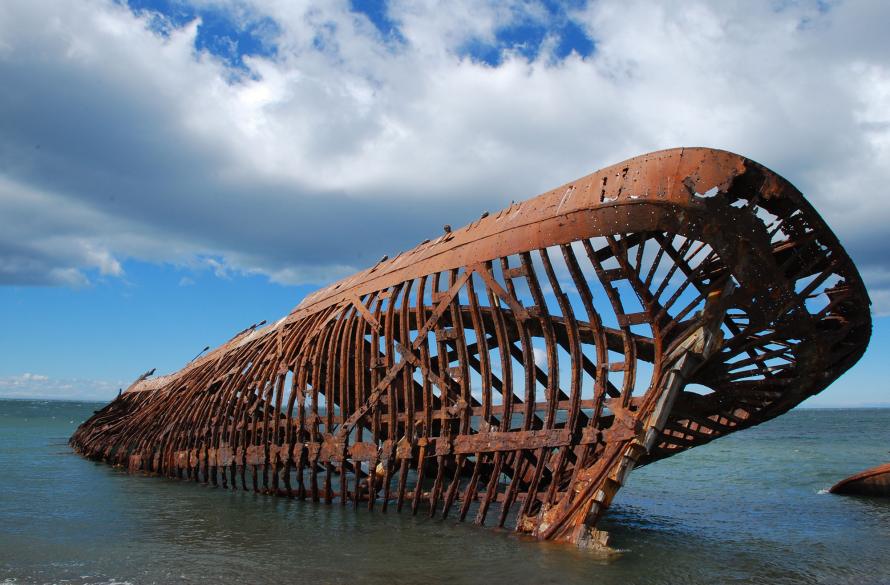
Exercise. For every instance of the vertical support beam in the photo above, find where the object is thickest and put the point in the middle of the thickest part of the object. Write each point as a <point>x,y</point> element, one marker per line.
<point>574,518</point>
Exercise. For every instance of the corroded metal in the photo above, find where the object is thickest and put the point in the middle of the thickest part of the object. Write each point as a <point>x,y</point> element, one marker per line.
<point>871,482</point>
<point>516,370</point>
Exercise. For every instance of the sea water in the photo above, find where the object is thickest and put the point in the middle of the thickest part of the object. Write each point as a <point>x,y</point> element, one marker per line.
<point>748,508</point>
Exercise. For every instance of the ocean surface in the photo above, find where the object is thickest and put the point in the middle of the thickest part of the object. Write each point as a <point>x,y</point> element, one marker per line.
<point>749,508</point>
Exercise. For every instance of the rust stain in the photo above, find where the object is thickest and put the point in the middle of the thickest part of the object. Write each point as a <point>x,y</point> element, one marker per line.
<point>515,371</point>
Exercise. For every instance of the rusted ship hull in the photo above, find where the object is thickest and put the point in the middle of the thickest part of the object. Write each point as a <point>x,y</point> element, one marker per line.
<point>871,482</point>
<point>515,371</point>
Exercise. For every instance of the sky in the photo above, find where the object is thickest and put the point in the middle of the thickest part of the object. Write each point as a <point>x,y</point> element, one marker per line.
<point>173,171</point>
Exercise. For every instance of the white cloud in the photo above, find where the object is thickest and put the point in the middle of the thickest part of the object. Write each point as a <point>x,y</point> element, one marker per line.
<point>29,385</point>
<point>29,377</point>
<point>120,142</point>
<point>540,357</point>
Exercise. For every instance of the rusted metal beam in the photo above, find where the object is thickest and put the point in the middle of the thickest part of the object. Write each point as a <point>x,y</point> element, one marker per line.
<point>518,369</point>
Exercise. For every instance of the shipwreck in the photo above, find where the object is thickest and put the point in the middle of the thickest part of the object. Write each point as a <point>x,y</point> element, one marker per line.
<point>514,372</point>
<point>874,482</point>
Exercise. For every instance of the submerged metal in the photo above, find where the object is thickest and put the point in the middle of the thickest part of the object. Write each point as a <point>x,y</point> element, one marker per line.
<point>874,481</point>
<point>516,370</point>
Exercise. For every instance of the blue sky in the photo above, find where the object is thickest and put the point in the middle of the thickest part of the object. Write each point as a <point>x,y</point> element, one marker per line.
<point>172,171</point>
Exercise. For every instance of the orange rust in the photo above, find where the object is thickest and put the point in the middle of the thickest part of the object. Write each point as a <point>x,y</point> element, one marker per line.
<point>871,482</point>
<point>498,369</point>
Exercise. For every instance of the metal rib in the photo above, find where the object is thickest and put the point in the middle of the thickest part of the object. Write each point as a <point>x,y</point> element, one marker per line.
<point>516,370</point>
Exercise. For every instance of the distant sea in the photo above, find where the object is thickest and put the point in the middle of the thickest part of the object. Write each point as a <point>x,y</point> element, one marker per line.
<point>749,508</point>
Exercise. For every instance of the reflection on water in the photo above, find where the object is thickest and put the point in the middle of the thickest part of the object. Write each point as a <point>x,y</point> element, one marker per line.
<point>745,509</point>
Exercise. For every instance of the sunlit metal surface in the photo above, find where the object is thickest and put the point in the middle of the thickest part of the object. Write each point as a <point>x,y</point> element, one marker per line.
<point>871,482</point>
<point>515,371</point>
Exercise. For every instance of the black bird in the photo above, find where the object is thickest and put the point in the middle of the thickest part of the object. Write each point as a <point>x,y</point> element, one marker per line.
<point>146,375</point>
<point>199,354</point>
